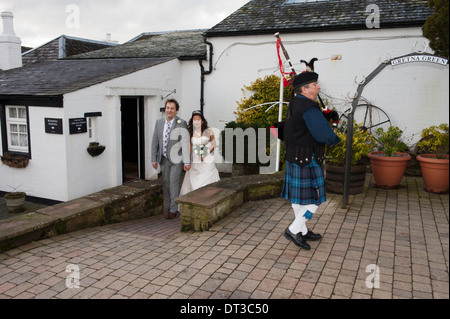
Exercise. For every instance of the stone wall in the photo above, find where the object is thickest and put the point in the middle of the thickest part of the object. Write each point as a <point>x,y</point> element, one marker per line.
<point>134,200</point>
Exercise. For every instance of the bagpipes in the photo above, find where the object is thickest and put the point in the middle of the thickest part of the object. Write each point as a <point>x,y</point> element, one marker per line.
<point>330,115</point>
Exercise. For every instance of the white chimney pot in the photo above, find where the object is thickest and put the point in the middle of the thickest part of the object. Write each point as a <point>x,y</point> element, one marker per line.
<point>8,25</point>
<point>10,44</point>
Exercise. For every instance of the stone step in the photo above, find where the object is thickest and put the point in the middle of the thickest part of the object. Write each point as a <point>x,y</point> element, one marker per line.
<point>202,208</point>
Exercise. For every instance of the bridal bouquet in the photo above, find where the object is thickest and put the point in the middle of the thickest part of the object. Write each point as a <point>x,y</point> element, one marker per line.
<point>201,150</point>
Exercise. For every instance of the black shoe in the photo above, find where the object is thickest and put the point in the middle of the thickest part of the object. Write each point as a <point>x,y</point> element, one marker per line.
<point>298,239</point>
<point>311,236</point>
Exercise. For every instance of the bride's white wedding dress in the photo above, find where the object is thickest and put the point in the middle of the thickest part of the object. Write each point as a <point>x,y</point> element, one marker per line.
<point>201,173</point>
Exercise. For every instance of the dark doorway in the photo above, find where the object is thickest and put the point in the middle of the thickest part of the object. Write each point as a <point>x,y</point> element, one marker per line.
<point>133,143</point>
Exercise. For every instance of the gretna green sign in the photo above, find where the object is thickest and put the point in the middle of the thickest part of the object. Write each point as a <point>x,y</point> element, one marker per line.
<point>420,58</point>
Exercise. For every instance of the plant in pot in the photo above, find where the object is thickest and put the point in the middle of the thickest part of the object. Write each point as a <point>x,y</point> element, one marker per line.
<point>95,149</point>
<point>15,201</point>
<point>389,162</point>
<point>363,143</point>
<point>433,156</point>
<point>15,161</point>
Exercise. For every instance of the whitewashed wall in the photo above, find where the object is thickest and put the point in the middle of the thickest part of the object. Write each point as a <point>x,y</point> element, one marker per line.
<point>61,169</point>
<point>45,176</point>
<point>86,174</point>
<point>414,96</point>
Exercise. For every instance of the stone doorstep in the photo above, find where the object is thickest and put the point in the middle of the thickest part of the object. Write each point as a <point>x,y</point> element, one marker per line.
<point>77,214</point>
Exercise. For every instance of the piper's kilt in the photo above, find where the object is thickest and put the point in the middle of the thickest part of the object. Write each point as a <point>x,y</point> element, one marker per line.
<point>304,185</point>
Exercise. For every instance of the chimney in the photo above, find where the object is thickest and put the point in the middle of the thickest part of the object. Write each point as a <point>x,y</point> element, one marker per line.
<point>109,39</point>
<point>10,44</point>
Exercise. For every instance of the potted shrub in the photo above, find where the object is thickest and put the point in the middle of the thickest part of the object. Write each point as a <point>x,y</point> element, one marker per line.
<point>389,162</point>
<point>434,159</point>
<point>95,149</point>
<point>15,201</point>
<point>363,143</point>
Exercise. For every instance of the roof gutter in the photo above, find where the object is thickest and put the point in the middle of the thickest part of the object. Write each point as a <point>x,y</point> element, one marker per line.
<point>205,72</point>
<point>34,100</point>
<point>353,27</point>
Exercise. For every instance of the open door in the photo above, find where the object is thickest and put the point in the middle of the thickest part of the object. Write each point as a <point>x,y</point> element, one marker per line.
<point>133,138</point>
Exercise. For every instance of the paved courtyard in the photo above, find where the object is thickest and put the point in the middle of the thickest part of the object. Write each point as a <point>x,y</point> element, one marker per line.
<point>389,244</point>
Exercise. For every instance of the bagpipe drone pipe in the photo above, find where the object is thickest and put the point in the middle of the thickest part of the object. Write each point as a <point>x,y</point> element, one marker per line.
<point>331,116</point>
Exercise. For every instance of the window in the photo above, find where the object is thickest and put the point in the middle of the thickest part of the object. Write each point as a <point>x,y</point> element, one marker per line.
<point>17,129</point>
<point>92,125</point>
<point>92,129</point>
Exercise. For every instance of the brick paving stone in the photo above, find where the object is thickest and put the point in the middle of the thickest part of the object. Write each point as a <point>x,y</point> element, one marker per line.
<point>245,255</point>
<point>323,290</point>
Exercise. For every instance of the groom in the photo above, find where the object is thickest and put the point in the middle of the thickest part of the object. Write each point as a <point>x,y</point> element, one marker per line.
<point>170,149</point>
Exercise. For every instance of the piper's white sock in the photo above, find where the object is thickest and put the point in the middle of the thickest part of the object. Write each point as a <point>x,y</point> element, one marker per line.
<point>302,212</point>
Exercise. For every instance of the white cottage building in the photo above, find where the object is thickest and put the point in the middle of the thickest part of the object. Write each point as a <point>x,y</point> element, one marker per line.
<point>51,112</point>
<point>350,38</point>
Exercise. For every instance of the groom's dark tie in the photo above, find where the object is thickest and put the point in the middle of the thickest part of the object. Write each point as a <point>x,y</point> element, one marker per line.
<point>166,139</point>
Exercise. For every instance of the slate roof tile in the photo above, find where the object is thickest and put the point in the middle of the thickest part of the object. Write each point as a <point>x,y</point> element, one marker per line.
<point>55,78</point>
<point>180,44</point>
<point>71,46</point>
<point>269,16</point>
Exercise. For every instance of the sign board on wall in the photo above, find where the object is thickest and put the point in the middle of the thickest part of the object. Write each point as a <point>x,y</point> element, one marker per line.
<point>53,126</point>
<point>77,126</point>
<point>420,58</point>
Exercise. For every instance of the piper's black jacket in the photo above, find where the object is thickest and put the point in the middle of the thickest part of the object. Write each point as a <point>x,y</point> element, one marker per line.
<point>306,132</point>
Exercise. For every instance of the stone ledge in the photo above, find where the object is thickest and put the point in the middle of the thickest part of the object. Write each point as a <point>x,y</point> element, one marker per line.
<point>203,207</point>
<point>134,200</point>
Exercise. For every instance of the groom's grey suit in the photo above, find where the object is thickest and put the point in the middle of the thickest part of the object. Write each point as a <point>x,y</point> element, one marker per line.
<point>178,155</point>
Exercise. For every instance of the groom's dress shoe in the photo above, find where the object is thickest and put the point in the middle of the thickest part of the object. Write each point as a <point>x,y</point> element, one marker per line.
<point>311,236</point>
<point>297,239</point>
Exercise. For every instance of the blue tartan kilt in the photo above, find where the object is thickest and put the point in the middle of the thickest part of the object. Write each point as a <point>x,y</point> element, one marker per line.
<point>304,185</point>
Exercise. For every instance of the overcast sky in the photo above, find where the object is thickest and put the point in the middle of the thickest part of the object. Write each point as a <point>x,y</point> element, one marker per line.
<point>39,21</point>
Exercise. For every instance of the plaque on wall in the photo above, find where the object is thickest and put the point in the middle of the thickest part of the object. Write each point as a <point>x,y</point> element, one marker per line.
<point>53,126</point>
<point>77,126</point>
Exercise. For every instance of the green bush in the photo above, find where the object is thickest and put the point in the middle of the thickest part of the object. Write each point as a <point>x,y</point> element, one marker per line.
<point>263,91</point>
<point>254,126</point>
<point>435,140</point>
<point>390,141</point>
<point>363,143</point>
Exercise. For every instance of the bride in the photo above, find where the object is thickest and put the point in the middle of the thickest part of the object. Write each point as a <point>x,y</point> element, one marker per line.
<point>203,170</point>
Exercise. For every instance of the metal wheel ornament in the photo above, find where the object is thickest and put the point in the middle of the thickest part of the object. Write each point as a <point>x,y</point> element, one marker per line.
<point>370,116</point>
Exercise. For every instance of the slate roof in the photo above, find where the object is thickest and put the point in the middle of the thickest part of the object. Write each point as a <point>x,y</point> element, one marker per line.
<point>271,16</point>
<point>183,45</point>
<point>55,78</point>
<point>25,49</point>
<point>69,46</point>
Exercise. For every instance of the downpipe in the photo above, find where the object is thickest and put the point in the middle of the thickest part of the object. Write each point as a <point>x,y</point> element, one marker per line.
<point>204,73</point>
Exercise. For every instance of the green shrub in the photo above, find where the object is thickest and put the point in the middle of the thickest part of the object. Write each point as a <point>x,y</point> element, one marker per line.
<point>363,143</point>
<point>435,140</point>
<point>390,141</point>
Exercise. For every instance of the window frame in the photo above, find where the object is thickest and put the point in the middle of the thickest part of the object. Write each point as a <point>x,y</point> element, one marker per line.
<point>5,122</point>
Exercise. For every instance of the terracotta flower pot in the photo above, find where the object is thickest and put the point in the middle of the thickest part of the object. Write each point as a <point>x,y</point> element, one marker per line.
<point>434,172</point>
<point>388,171</point>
